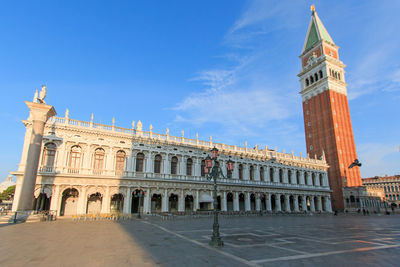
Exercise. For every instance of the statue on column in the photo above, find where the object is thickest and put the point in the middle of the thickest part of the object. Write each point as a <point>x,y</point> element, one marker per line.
<point>42,95</point>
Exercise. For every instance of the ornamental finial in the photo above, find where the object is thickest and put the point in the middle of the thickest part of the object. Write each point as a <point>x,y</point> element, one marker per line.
<point>312,8</point>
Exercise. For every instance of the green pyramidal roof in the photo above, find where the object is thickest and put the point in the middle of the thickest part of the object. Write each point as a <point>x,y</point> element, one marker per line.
<point>316,32</point>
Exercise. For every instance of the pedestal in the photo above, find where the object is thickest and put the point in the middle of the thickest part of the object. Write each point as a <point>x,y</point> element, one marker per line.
<point>39,114</point>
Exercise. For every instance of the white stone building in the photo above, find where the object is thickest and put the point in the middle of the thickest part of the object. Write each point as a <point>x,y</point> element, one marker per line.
<point>87,167</point>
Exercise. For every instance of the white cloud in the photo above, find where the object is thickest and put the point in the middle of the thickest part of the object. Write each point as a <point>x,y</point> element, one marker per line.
<point>379,159</point>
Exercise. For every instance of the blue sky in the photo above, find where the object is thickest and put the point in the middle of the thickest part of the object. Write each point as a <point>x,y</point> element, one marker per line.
<point>226,69</point>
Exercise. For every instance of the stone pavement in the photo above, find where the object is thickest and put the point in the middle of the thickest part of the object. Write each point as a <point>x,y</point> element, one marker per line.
<point>249,241</point>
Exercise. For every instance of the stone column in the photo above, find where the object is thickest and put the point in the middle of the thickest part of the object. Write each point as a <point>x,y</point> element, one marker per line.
<point>302,179</point>
<point>267,174</point>
<point>147,202</point>
<point>196,201</point>
<point>287,203</point>
<point>235,173</point>
<point>149,163</point>
<point>258,203</point>
<point>292,177</point>
<point>296,203</point>
<point>285,176</point>
<point>309,178</point>
<point>105,204</point>
<point>39,114</point>
<point>304,202</point>
<point>319,203</point>
<point>278,202</point>
<point>182,165</point>
<point>269,202</point>
<point>224,202</point>
<point>312,204</point>
<point>164,204</point>
<point>235,201</point>
<point>82,201</point>
<point>197,167</point>
<point>276,175</point>
<point>246,171</point>
<point>181,202</point>
<point>127,201</point>
<point>166,165</point>
<point>247,202</point>
<point>55,199</point>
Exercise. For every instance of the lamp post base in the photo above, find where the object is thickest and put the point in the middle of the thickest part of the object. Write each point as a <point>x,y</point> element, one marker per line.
<point>216,241</point>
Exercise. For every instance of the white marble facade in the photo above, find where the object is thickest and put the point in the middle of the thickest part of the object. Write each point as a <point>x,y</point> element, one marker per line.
<point>87,167</point>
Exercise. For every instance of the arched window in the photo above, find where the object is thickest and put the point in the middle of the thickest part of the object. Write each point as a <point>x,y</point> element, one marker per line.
<point>396,188</point>
<point>338,76</point>
<point>75,158</point>
<point>392,188</point>
<point>316,76</point>
<point>139,162</point>
<point>297,177</point>
<point>307,82</point>
<point>321,179</point>
<point>330,72</point>
<point>174,165</point>
<point>251,173</point>
<point>98,159</point>
<point>157,164</point>
<point>289,176</point>
<point>262,173</point>
<point>280,175</point>
<point>311,79</point>
<point>189,165</point>
<point>203,165</point>
<point>313,178</point>
<point>120,162</point>
<point>320,74</point>
<point>240,171</point>
<point>352,199</point>
<point>49,153</point>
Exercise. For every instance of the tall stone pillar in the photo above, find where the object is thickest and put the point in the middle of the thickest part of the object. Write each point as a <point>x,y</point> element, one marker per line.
<point>196,201</point>
<point>258,203</point>
<point>312,203</point>
<point>147,202</point>
<point>304,203</point>
<point>278,202</point>
<point>287,203</point>
<point>319,203</point>
<point>39,114</point>
<point>269,202</point>
<point>235,201</point>
<point>296,203</point>
<point>55,199</point>
<point>247,202</point>
<point>181,202</point>
<point>82,201</point>
<point>164,203</point>
<point>127,201</point>
<point>105,205</point>
<point>224,202</point>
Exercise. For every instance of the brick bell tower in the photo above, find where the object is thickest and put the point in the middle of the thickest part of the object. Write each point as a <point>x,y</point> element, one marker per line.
<point>326,112</point>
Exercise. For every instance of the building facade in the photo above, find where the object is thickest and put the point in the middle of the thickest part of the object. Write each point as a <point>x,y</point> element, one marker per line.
<point>327,121</point>
<point>390,185</point>
<point>87,167</point>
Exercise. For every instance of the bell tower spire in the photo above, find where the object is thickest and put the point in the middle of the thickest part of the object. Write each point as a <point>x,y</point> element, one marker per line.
<point>326,112</point>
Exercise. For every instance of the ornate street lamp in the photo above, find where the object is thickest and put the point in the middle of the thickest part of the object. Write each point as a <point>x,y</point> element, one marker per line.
<point>139,193</point>
<point>214,172</point>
